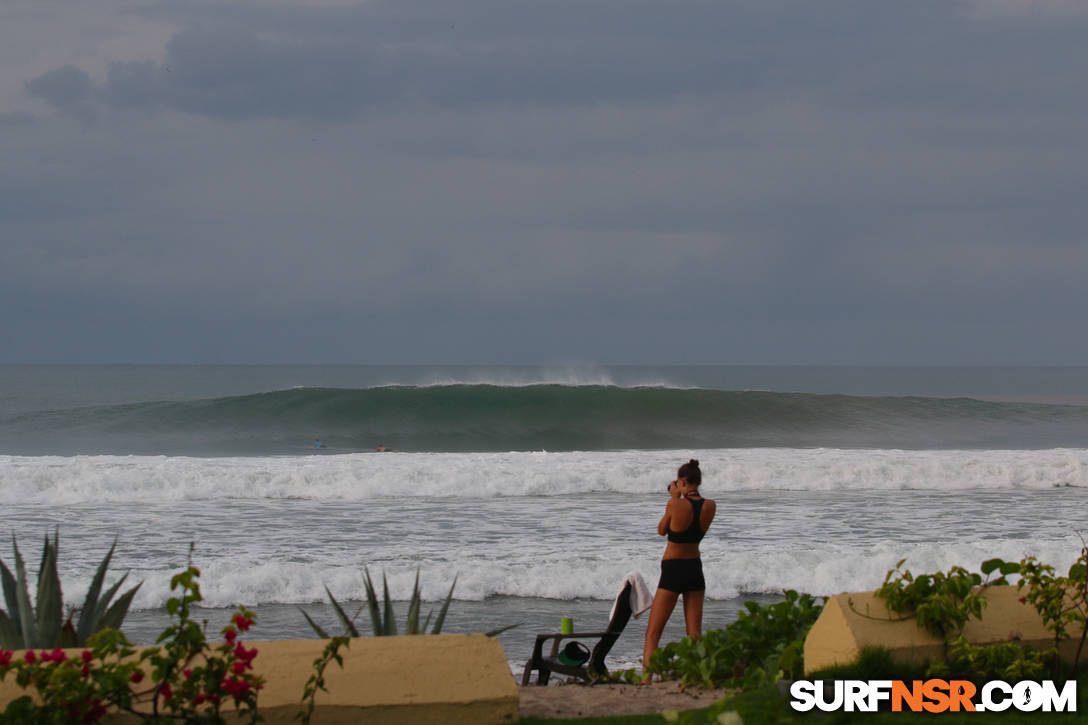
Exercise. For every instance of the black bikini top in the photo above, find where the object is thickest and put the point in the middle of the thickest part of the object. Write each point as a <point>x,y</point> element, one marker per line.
<point>692,534</point>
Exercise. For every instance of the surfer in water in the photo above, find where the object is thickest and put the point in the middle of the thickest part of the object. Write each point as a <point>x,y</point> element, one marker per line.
<point>687,517</point>
<point>318,443</point>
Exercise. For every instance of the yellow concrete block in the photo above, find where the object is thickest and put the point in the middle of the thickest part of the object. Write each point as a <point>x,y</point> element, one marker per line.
<point>449,678</point>
<point>842,631</point>
<point>410,679</point>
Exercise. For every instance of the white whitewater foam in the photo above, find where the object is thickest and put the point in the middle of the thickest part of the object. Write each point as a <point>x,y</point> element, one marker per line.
<point>57,479</point>
<point>545,525</point>
<point>820,569</point>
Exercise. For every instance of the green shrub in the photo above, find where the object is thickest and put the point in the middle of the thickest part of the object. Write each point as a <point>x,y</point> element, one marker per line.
<point>185,678</point>
<point>874,663</point>
<point>1062,601</point>
<point>1007,661</point>
<point>943,602</point>
<point>764,644</point>
<point>41,624</point>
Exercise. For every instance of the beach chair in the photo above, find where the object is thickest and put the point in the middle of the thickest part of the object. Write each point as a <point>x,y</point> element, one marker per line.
<point>594,667</point>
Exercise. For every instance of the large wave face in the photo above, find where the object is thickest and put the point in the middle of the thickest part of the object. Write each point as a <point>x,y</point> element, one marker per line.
<point>481,418</point>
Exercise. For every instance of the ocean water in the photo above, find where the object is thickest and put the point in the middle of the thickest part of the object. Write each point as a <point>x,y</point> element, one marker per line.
<point>539,489</point>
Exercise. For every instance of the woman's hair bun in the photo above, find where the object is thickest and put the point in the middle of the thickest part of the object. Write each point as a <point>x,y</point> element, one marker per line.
<point>690,472</point>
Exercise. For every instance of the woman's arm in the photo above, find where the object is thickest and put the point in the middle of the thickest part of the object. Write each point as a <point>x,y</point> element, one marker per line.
<point>674,496</point>
<point>709,509</point>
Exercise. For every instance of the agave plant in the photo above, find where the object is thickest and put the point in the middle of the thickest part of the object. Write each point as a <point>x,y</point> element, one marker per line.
<point>26,626</point>
<point>382,620</point>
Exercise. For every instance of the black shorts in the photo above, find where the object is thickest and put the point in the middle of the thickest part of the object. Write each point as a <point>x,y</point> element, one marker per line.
<point>682,575</point>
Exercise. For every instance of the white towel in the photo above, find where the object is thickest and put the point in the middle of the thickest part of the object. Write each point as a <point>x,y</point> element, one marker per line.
<point>641,599</point>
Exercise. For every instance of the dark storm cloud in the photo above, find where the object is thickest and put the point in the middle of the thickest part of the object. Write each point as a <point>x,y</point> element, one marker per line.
<point>69,89</point>
<point>62,87</point>
<point>296,62</point>
<point>768,181</point>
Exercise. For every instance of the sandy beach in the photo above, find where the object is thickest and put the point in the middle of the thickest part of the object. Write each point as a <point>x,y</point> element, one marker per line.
<point>576,700</point>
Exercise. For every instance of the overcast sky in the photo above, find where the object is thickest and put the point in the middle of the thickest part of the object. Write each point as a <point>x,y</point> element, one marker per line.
<point>562,181</point>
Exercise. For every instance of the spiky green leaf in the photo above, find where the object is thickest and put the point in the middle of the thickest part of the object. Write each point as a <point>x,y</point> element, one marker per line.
<point>372,605</point>
<point>500,630</point>
<point>92,607</point>
<point>423,629</point>
<point>442,612</point>
<point>103,606</point>
<point>115,615</point>
<point>24,608</point>
<point>50,604</point>
<point>320,632</point>
<point>390,624</point>
<point>10,637</point>
<point>412,625</point>
<point>349,626</point>
<point>44,557</point>
<point>10,599</point>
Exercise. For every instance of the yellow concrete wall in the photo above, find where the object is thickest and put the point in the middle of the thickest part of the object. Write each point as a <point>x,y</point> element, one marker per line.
<point>449,678</point>
<point>841,632</point>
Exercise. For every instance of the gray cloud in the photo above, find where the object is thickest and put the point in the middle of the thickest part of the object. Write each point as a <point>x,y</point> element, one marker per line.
<point>298,62</point>
<point>134,84</point>
<point>17,118</point>
<point>861,181</point>
<point>68,89</point>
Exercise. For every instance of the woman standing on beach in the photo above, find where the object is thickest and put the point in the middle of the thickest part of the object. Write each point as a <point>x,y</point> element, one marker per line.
<point>687,517</point>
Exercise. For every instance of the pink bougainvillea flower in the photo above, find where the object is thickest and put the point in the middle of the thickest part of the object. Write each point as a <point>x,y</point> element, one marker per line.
<point>187,673</point>
<point>5,657</point>
<point>230,634</point>
<point>167,691</point>
<point>85,670</point>
<point>87,656</point>
<point>58,655</point>
<point>239,668</point>
<point>246,655</point>
<point>235,687</point>
<point>137,677</point>
<point>243,623</point>
<point>30,657</point>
